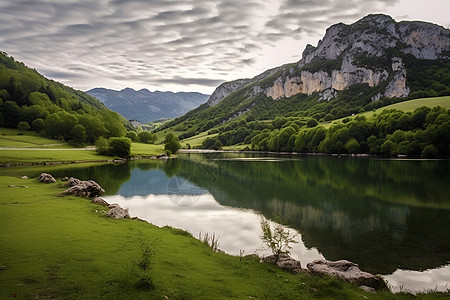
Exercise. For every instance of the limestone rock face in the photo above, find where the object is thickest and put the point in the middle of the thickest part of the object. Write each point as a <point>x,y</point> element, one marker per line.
<point>46,178</point>
<point>225,89</point>
<point>349,55</point>
<point>348,271</point>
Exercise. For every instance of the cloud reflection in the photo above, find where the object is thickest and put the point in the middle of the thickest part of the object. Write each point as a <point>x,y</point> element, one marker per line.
<point>238,229</point>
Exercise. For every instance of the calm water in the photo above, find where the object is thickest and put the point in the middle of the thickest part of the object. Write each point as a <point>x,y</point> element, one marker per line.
<point>392,217</point>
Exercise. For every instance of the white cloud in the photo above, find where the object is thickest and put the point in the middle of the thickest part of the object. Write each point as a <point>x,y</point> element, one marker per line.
<point>187,45</point>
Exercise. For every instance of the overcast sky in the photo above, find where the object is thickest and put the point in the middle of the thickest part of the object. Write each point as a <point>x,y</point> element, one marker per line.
<point>189,45</point>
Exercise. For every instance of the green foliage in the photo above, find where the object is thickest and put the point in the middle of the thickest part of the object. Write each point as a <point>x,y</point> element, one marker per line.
<point>172,143</point>
<point>146,137</point>
<point>212,143</point>
<point>132,135</point>
<point>101,145</point>
<point>78,134</point>
<point>28,96</point>
<point>312,123</point>
<point>120,147</point>
<point>37,124</point>
<point>22,126</point>
<point>277,239</point>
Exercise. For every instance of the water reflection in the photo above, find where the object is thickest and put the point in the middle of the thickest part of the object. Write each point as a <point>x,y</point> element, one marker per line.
<point>389,216</point>
<point>238,229</point>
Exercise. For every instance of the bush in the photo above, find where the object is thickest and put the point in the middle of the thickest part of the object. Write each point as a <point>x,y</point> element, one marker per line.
<point>37,124</point>
<point>132,136</point>
<point>101,146</point>
<point>145,137</point>
<point>22,126</point>
<point>172,143</point>
<point>119,147</point>
<point>429,152</point>
<point>311,123</point>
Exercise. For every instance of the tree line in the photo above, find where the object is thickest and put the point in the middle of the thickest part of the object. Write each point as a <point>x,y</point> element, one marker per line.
<point>425,132</point>
<point>30,101</point>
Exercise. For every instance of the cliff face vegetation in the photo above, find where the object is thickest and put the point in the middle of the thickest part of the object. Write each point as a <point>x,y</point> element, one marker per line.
<point>358,67</point>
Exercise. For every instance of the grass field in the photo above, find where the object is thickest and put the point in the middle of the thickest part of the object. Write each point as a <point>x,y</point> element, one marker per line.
<point>197,140</point>
<point>27,139</point>
<point>63,247</point>
<point>409,105</point>
<point>139,149</point>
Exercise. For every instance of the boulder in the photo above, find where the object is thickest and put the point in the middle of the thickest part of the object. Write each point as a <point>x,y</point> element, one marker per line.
<point>86,189</point>
<point>46,178</point>
<point>285,262</point>
<point>118,213</point>
<point>101,201</point>
<point>348,271</point>
<point>72,181</point>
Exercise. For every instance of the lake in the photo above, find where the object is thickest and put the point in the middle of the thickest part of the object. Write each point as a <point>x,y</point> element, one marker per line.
<point>392,217</point>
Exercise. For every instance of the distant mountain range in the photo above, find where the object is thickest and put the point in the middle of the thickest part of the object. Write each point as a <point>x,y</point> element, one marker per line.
<point>145,106</point>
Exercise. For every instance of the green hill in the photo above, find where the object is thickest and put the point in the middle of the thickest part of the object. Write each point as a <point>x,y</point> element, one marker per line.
<point>35,102</point>
<point>356,68</point>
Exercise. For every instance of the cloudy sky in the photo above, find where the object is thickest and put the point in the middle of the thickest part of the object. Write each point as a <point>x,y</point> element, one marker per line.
<point>189,45</point>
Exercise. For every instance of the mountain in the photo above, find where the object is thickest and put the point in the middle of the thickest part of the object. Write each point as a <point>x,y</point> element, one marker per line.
<point>145,106</point>
<point>362,66</point>
<point>55,109</point>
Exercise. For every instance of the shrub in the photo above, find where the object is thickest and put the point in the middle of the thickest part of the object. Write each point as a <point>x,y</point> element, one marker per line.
<point>311,123</point>
<point>277,240</point>
<point>132,136</point>
<point>119,147</point>
<point>101,146</point>
<point>22,126</point>
<point>172,143</point>
<point>37,124</point>
<point>145,137</point>
<point>429,152</point>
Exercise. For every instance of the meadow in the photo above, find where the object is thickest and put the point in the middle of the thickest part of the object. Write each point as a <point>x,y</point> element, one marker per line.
<point>64,247</point>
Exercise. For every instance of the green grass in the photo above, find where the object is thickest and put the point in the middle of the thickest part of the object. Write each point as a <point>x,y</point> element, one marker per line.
<point>26,139</point>
<point>42,156</point>
<point>197,140</point>
<point>63,247</point>
<point>139,149</point>
<point>39,149</point>
<point>409,105</point>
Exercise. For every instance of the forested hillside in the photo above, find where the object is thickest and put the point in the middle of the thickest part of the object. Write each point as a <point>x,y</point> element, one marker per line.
<point>355,68</point>
<point>28,100</point>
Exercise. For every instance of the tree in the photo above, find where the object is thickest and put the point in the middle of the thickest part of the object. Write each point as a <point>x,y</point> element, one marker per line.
<point>212,143</point>
<point>429,152</point>
<point>22,126</point>
<point>277,240</point>
<point>352,146</point>
<point>37,125</point>
<point>78,134</point>
<point>101,145</point>
<point>119,146</point>
<point>172,143</point>
<point>311,123</point>
<point>144,137</point>
<point>132,136</point>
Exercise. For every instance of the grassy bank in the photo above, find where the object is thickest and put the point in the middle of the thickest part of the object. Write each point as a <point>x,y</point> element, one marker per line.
<point>63,247</point>
<point>30,147</point>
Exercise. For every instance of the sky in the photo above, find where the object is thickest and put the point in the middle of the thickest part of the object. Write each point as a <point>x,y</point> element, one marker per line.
<point>189,45</point>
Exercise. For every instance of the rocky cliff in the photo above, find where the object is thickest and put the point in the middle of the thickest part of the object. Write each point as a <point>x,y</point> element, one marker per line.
<point>366,52</point>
